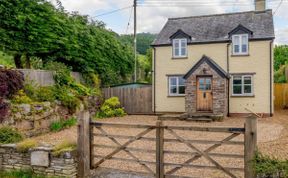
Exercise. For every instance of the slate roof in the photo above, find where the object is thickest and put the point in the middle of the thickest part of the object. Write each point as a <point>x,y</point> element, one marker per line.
<point>215,28</point>
<point>211,63</point>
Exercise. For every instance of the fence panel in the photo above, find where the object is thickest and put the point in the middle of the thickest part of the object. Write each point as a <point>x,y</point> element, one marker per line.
<point>134,100</point>
<point>281,95</point>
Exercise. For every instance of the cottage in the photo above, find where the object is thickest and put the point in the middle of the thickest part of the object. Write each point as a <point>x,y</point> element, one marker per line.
<point>220,64</point>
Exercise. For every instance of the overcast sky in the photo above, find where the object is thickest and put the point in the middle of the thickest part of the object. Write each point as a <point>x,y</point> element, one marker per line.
<point>152,19</point>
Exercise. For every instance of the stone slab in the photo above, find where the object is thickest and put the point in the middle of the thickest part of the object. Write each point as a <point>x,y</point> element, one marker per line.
<point>40,158</point>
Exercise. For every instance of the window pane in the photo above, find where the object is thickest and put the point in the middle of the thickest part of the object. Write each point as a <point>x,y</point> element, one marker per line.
<point>237,80</point>
<point>236,40</point>
<point>173,89</point>
<point>181,81</point>
<point>181,89</point>
<point>176,52</point>
<point>183,51</point>
<point>183,43</point>
<point>247,80</point>
<point>201,81</point>
<point>244,39</point>
<point>237,89</point>
<point>247,89</point>
<point>244,48</point>
<point>208,86</point>
<point>236,49</point>
<point>173,81</point>
<point>176,43</point>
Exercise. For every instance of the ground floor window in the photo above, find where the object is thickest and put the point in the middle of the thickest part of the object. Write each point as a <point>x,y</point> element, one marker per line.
<point>242,85</point>
<point>176,85</point>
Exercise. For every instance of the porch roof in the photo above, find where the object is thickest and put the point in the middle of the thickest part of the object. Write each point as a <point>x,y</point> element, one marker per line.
<point>211,63</point>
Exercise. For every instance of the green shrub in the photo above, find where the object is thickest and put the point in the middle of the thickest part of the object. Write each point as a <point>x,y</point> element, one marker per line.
<point>63,124</point>
<point>9,135</point>
<point>20,174</point>
<point>265,166</point>
<point>65,146</point>
<point>21,98</point>
<point>26,144</point>
<point>45,94</point>
<point>111,108</point>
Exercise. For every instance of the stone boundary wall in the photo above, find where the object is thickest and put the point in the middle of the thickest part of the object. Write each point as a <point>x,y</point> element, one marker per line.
<point>45,77</point>
<point>40,160</point>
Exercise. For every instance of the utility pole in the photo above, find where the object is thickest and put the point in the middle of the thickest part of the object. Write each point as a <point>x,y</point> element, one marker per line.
<point>135,41</point>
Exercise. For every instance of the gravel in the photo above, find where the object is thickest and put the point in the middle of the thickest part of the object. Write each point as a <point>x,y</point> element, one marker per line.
<point>272,140</point>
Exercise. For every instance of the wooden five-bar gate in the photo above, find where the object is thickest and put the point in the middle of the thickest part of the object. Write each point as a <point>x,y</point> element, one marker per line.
<point>91,131</point>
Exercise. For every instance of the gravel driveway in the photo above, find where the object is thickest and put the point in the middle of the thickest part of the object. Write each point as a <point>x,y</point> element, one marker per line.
<point>272,140</point>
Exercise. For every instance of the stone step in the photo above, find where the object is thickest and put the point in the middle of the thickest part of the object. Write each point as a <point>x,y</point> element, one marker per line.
<point>199,119</point>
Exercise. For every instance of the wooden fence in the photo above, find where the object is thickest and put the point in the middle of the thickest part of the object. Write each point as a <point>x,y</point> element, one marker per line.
<point>91,132</point>
<point>134,100</point>
<point>281,95</point>
<point>44,77</point>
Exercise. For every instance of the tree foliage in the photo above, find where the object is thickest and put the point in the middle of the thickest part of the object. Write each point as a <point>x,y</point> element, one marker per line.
<point>280,56</point>
<point>35,29</point>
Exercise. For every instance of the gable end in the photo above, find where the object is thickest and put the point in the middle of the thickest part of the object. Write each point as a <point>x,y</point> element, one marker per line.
<point>240,29</point>
<point>180,34</point>
<point>211,63</point>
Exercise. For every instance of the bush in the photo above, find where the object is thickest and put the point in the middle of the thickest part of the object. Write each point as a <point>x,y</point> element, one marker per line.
<point>4,108</point>
<point>45,94</point>
<point>25,145</point>
<point>21,98</point>
<point>9,135</point>
<point>65,146</point>
<point>111,108</point>
<point>11,81</point>
<point>265,166</point>
<point>62,124</point>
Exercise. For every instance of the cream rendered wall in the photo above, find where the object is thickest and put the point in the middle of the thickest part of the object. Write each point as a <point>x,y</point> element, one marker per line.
<point>257,61</point>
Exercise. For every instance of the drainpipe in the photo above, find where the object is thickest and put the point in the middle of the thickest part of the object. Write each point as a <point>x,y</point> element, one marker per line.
<point>154,80</point>
<point>271,45</point>
<point>228,70</point>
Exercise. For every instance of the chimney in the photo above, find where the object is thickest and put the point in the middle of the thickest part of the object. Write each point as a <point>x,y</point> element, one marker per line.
<point>260,5</point>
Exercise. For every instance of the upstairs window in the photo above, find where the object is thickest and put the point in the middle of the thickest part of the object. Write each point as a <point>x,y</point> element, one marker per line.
<point>180,48</point>
<point>240,44</point>
<point>176,86</point>
<point>242,85</point>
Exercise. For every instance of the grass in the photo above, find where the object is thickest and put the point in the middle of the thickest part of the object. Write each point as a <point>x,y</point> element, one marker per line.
<point>25,145</point>
<point>21,174</point>
<point>9,135</point>
<point>63,124</point>
<point>65,146</point>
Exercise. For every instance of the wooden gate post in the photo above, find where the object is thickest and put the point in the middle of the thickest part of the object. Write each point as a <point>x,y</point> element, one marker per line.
<point>83,145</point>
<point>250,145</point>
<point>159,150</point>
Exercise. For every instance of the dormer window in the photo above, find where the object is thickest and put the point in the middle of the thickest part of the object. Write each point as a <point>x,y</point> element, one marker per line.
<point>240,44</point>
<point>179,48</point>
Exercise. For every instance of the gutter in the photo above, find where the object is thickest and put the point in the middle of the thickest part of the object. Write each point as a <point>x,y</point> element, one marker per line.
<point>271,95</point>
<point>228,73</point>
<point>154,80</point>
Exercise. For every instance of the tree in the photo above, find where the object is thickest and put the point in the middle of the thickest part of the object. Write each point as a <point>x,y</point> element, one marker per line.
<point>280,56</point>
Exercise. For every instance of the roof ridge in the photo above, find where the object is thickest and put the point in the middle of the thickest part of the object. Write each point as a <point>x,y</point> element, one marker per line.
<point>210,15</point>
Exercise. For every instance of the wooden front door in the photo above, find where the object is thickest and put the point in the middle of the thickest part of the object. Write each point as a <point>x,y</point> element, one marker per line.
<point>204,94</point>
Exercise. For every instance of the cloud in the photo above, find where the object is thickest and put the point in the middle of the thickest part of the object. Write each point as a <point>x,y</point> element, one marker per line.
<point>152,19</point>
<point>281,36</point>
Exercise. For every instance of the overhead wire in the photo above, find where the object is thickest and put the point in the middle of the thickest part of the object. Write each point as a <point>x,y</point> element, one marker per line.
<point>129,20</point>
<point>113,11</point>
<point>278,7</point>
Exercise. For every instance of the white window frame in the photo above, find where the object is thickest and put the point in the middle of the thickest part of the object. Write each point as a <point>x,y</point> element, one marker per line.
<point>180,40</point>
<point>242,86</point>
<point>177,86</point>
<point>240,44</point>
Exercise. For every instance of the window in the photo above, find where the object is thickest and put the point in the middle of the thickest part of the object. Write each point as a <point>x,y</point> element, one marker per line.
<point>240,44</point>
<point>179,48</point>
<point>242,85</point>
<point>176,85</point>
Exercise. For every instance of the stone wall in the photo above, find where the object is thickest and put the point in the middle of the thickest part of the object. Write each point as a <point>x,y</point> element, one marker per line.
<point>219,90</point>
<point>40,160</point>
